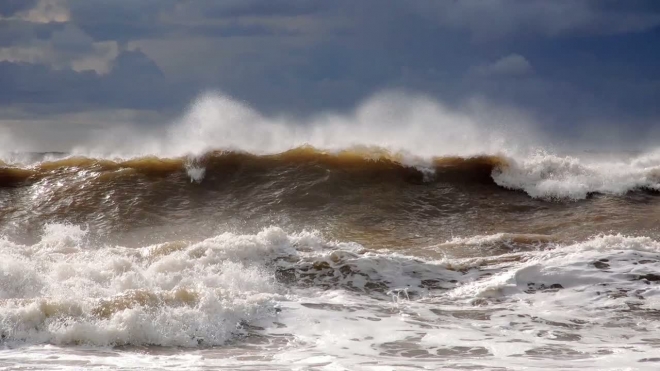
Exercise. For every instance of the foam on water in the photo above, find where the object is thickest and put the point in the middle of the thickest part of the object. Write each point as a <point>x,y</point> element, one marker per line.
<point>546,175</point>
<point>592,305</point>
<point>272,300</point>
<point>64,291</point>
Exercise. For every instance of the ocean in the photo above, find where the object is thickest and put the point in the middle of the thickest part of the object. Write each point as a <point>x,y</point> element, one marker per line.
<point>329,254</point>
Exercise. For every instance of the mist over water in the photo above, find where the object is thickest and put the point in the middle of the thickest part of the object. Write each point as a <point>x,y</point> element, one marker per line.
<point>402,235</point>
<point>394,121</point>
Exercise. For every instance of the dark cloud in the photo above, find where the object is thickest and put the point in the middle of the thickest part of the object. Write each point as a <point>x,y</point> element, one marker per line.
<point>499,19</point>
<point>488,20</point>
<point>242,8</point>
<point>129,20</point>
<point>647,6</point>
<point>11,7</point>
<point>131,65</point>
<point>120,20</point>
<point>21,32</point>
<point>564,61</point>
<point>134,82</point>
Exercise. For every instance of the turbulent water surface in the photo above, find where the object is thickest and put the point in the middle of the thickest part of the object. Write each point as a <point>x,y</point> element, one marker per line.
<point>235,241</point>
<point>360,258</point>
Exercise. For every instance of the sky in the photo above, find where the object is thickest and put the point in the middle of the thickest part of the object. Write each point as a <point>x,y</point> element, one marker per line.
<point>572,66</point>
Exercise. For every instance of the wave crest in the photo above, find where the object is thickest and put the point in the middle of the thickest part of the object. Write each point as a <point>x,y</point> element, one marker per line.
<point>358,159</point>
<point>540,175</point>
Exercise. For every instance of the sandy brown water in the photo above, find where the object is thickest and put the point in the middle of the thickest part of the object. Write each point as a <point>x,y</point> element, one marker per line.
<point>365,196</point>
<point>162,235</point>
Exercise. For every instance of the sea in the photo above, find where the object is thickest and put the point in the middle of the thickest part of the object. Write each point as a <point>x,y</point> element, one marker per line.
<point>343,245</point>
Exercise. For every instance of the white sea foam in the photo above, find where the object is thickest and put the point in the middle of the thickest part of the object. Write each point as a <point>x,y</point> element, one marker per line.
<point>591,305</point>
<point>63,291</point>
<point>329,305</point>
<point>546,175</point>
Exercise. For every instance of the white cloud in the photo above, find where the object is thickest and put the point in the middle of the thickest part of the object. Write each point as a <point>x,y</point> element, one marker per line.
<point>46,11</point>
<point>512,65</point>
<point>22,54</point>
<point>100,59</point>
<point>66,48</point>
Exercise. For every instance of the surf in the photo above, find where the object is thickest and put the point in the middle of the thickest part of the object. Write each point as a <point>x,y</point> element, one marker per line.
<point>396,132</point>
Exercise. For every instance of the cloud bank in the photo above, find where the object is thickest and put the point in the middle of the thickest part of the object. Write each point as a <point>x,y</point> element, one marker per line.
<point>571,65</point>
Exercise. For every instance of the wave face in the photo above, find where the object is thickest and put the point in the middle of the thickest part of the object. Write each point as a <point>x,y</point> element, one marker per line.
<point>370,189</point>
<point>358,160</point>
<point>540,175</point>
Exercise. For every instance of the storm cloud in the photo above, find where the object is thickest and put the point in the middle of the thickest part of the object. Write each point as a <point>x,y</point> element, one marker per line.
<point>567,63</point>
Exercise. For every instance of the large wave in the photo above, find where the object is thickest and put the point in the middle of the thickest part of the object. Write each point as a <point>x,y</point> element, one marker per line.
<point>410,131</point>
<point>540,175</point>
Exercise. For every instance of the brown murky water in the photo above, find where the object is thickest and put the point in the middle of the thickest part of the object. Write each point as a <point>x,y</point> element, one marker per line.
<point>367,197</point>
<point>178,260</point>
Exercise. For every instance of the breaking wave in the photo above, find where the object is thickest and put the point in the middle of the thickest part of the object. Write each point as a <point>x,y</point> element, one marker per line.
<point>391,132</point>
<point>541,175</point>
